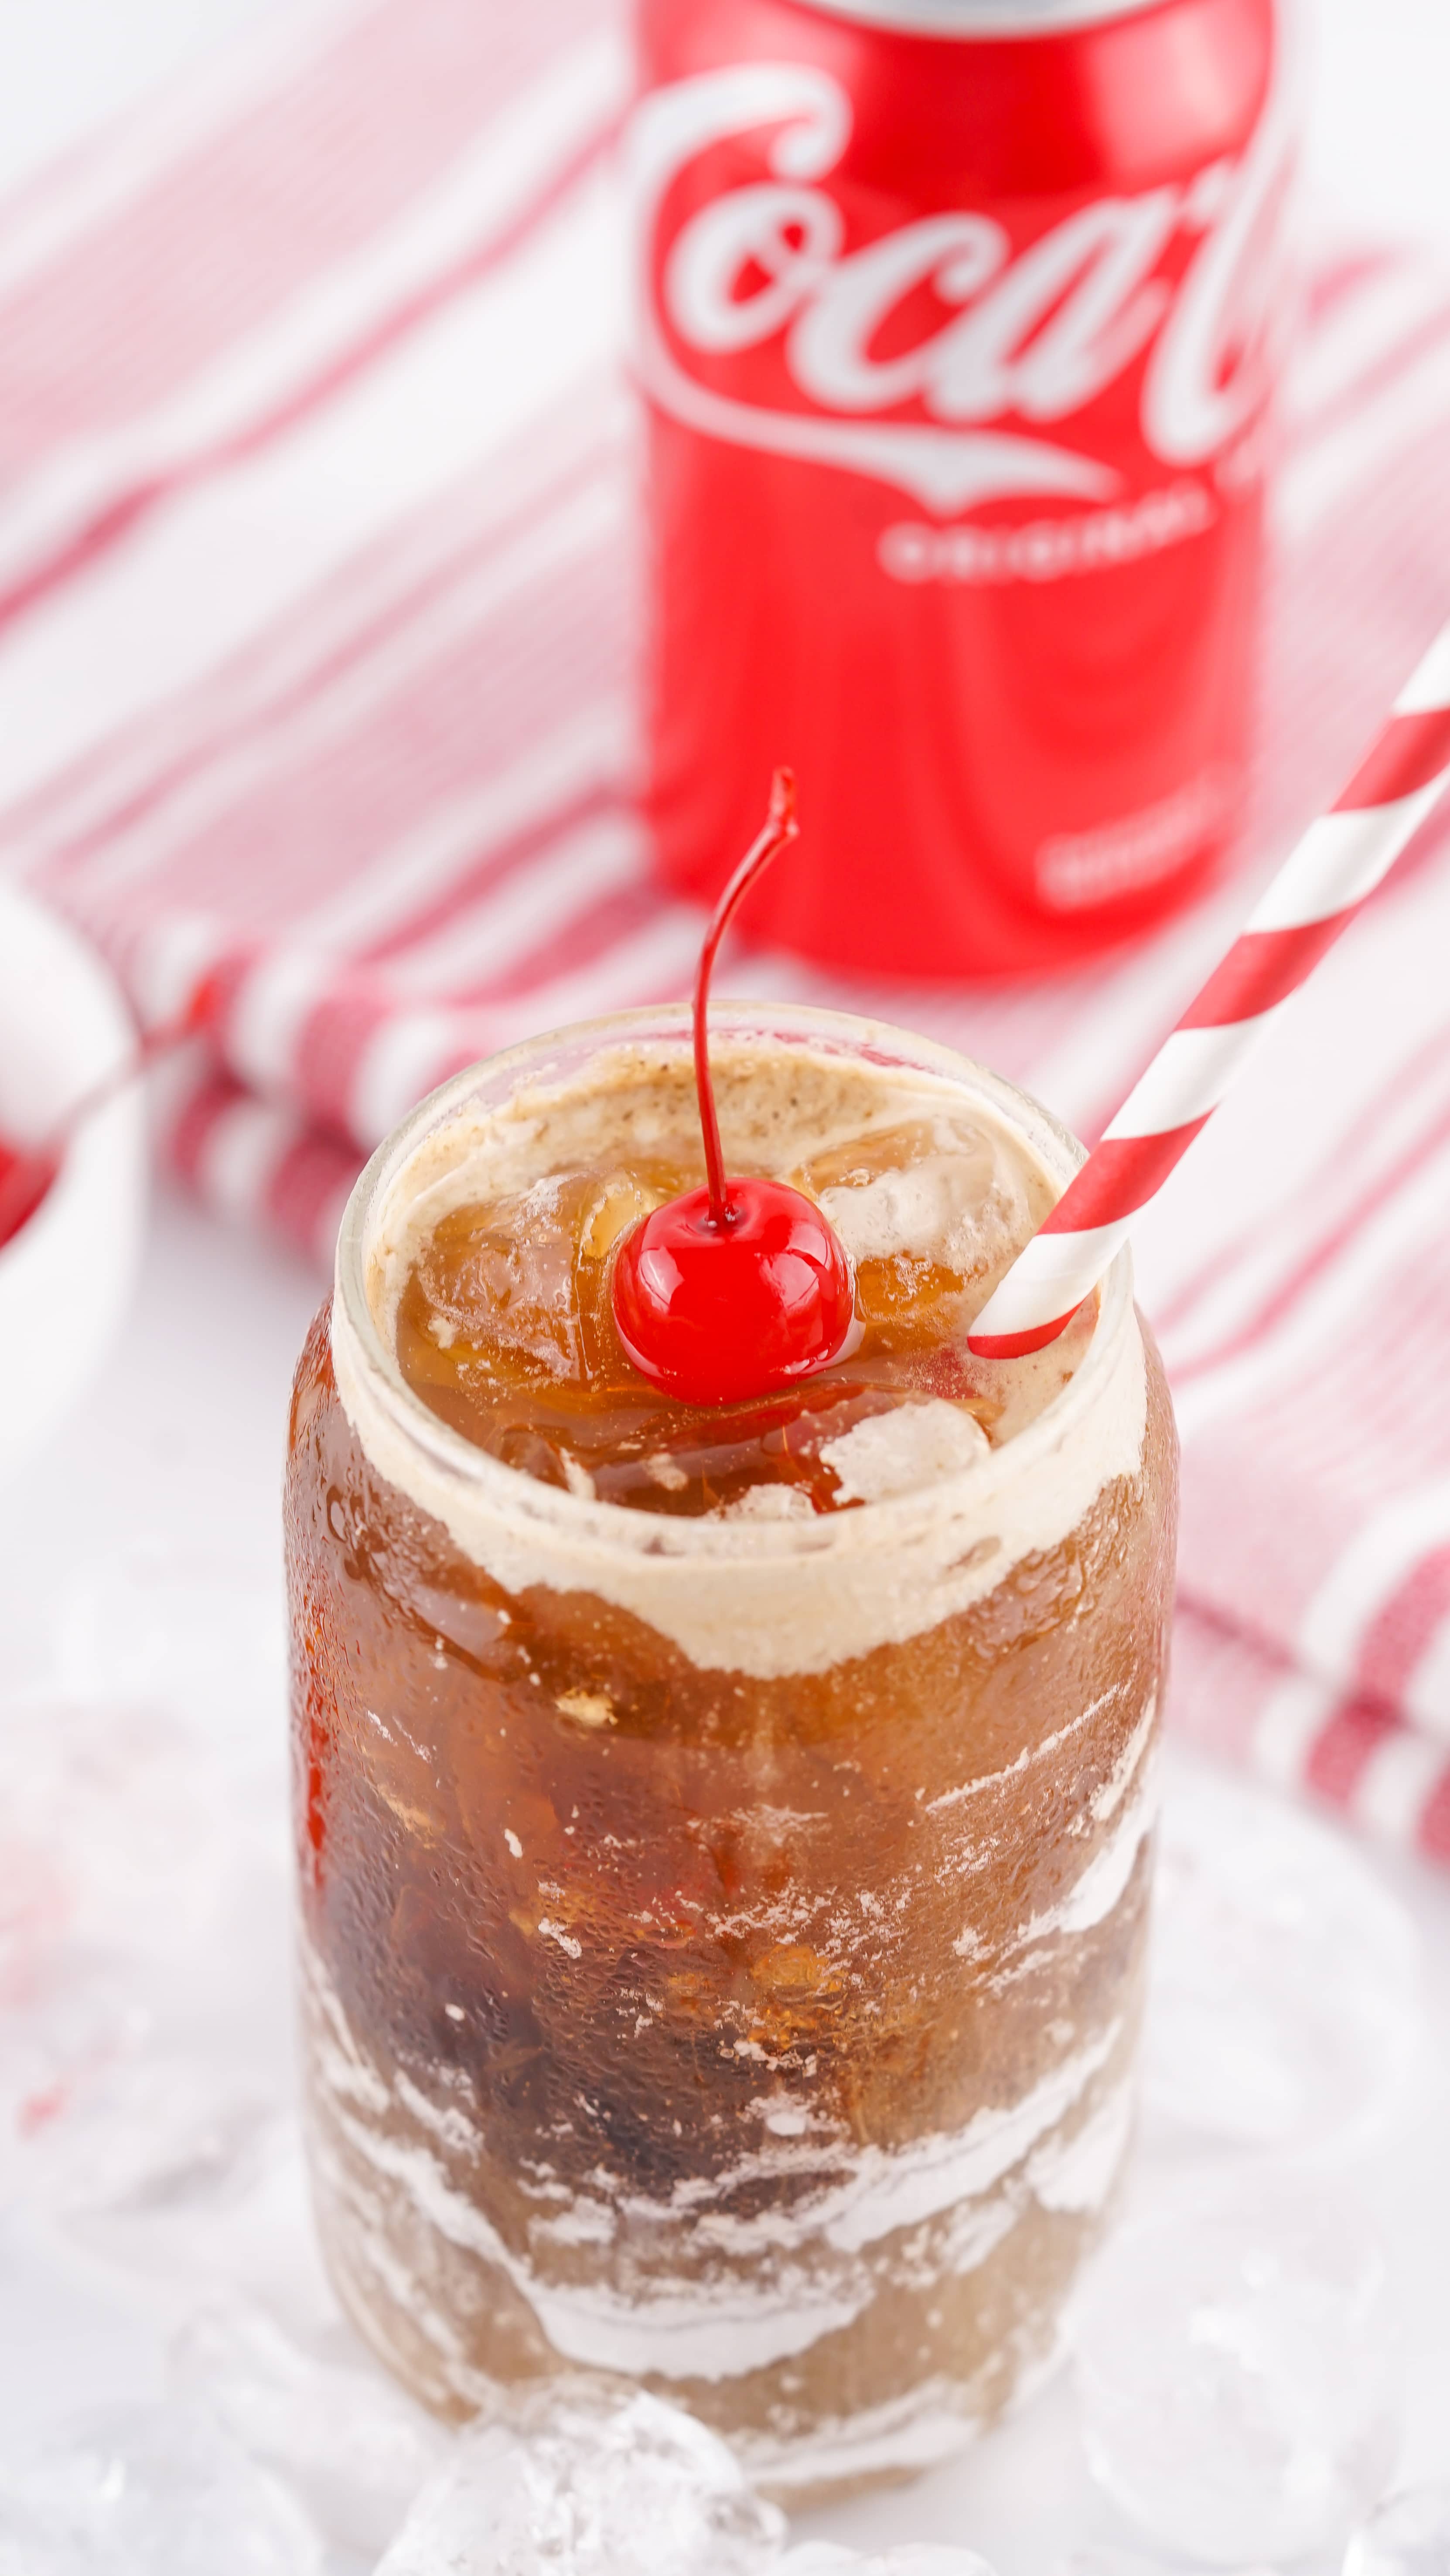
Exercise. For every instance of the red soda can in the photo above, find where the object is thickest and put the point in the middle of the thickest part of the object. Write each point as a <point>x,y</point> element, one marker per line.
<point>957,327</point>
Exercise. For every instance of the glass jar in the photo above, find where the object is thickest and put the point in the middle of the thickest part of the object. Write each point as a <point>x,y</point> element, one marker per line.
<point>723,1941</point>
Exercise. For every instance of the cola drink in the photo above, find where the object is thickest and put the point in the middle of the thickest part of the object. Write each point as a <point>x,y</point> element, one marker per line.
<point>957,328</point>
<point>724,1834</point>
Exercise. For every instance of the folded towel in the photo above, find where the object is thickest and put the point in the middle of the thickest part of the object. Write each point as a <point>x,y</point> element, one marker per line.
<point>317,622</point>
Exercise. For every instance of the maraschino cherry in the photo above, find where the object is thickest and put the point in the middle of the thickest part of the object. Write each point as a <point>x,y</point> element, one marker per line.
<point>740,1288</point>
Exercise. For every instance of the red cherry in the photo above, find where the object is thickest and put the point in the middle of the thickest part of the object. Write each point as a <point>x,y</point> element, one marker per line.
<point>715,1314</point>
<point>742,1287</point>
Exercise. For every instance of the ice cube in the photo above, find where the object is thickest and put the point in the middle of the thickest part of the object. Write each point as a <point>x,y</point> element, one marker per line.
<point>1235,2360</point>
<point>503,1276</point>
<point>159,2132</point>
<point>588,2483</point>
<point>159,2491</point>
<point>1285,1995</point>
<point>770,1503</point>
<point>123,1831</point>
<point>1409,2536</point>
<point>131,1854</point>
<point>144,1970</point>
<point>947,1191</point>
<point>925,1212</point>
<point>355,2448</point>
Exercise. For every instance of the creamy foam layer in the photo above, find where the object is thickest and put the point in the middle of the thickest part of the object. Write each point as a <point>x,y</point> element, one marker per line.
<point>942,1521</point>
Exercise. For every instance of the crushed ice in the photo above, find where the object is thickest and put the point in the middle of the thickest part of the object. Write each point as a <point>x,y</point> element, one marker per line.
<point>1237,2360</point>
<point>151,2491</point>
<point>590,2484</point>
<point>1285,2008</point>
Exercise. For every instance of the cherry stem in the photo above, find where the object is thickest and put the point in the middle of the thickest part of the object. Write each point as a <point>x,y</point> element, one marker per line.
<point>159,1040</point>
<point>780,827</point>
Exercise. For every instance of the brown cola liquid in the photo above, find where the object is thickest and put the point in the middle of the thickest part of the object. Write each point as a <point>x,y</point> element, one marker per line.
<point>765,2038</point>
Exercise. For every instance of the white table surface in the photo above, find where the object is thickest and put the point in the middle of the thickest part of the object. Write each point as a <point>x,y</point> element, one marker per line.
<point>184,1433</point>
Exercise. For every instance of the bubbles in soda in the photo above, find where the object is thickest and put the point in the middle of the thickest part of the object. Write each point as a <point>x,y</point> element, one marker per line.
<point>1285,2005</point>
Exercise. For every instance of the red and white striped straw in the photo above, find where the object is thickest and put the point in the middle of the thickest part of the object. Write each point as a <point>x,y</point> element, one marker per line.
<point>1316,894</point>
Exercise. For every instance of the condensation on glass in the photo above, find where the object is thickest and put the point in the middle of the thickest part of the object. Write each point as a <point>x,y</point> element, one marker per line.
<point>722,1941</point>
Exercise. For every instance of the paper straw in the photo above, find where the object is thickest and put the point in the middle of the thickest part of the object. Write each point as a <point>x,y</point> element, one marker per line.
<point>1316,894</point>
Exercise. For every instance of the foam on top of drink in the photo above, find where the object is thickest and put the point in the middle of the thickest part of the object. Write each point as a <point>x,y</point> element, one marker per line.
<point>486,1271</point>
<point>949,1206</point>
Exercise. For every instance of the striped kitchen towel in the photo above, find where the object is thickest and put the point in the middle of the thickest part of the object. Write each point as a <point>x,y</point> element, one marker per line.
<point>317,626</point>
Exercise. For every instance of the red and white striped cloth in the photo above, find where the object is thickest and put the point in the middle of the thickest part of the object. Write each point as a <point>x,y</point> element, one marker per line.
<point>317,614</point>
<point>1309,903</point>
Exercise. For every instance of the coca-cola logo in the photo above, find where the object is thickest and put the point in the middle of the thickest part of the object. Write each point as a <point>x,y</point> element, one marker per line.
<point>1033,335</point>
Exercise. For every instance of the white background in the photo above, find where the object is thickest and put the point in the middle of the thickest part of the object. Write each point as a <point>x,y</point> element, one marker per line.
<point>180,1445</point>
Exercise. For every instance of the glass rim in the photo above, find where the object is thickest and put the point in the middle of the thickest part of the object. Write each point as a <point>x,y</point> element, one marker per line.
<point>961,21</point>
<point>665,1535</point>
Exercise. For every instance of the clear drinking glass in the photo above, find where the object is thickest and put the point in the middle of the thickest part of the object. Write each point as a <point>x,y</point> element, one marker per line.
<point>723,1940</point>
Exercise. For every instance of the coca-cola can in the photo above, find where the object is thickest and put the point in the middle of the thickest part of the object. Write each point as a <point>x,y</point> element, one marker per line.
<point>957,325</point>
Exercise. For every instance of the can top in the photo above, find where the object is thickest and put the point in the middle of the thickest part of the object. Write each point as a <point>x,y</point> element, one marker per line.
<point>981,17</point>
